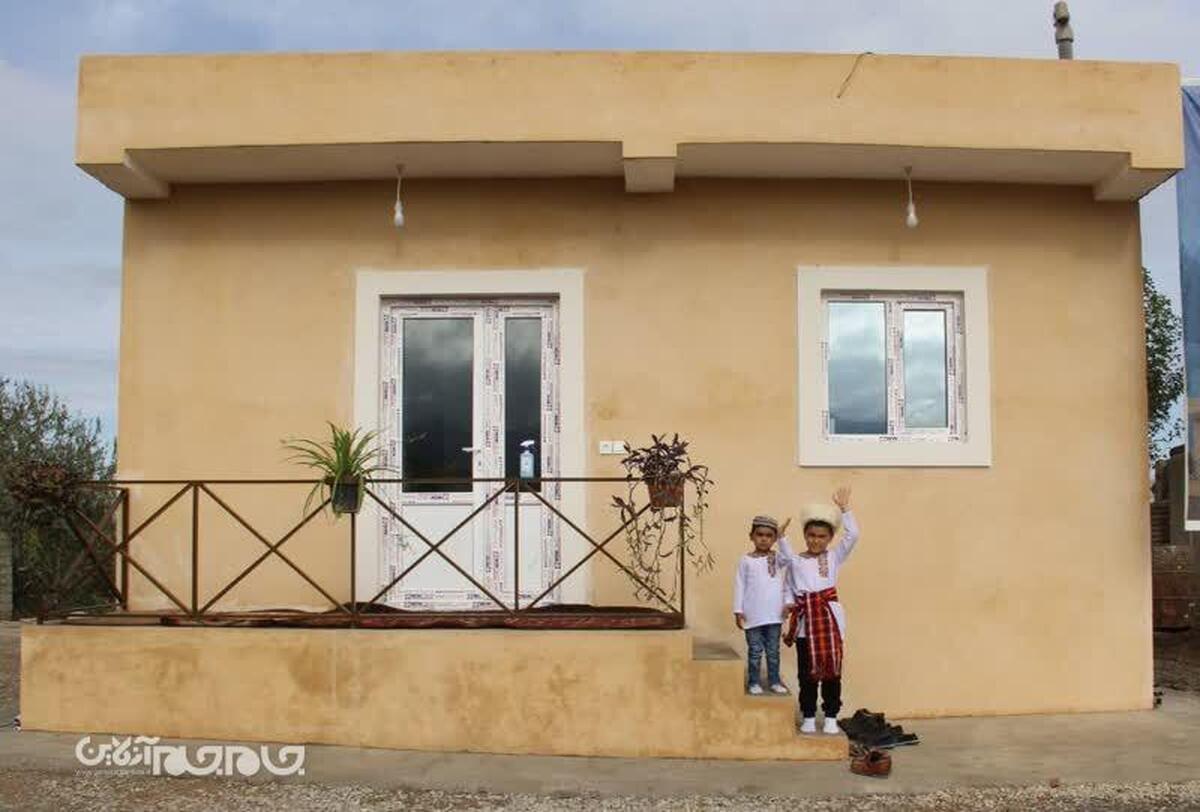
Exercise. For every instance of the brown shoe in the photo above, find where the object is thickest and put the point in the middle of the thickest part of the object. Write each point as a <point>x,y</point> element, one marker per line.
<point>872,762</point>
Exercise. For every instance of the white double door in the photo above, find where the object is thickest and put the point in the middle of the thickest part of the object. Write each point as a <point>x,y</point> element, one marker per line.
<point>464,383</point>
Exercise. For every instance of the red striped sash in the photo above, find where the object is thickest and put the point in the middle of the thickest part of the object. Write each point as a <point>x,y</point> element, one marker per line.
<point>823,637</point>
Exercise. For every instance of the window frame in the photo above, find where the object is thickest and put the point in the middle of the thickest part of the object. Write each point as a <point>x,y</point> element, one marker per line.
<point>895,305</point>
<point>902,288</point>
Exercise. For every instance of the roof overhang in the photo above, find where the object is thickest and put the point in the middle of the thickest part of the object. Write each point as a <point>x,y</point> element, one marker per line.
<point>146,123</point>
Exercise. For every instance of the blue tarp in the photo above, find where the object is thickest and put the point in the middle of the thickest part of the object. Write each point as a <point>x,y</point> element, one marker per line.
<point>1187,191</point>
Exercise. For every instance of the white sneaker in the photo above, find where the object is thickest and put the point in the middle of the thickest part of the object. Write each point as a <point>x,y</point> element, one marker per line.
<point>755,690</point>
<point>778,688</point>
<point>809,725</point>
<point>831,726</point>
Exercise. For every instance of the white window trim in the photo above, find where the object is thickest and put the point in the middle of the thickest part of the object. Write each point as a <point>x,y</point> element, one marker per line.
<point>373,286</point>
<point>818,449</point>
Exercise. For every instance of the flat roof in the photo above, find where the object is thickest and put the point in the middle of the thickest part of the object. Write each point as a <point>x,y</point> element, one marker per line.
<point>147,122</point>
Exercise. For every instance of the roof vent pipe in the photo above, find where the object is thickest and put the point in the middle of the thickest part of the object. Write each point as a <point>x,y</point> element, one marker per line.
<point>1064,37</point>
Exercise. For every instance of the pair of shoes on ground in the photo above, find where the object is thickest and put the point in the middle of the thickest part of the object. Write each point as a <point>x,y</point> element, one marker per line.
<point>873,731</point>
<point>777,688</point>
<point>870,761</point>
<point>809,725</point>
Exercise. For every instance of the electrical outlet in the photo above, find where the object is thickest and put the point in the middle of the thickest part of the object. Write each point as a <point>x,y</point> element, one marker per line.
<point>616,447</point>
<point>606,447</point>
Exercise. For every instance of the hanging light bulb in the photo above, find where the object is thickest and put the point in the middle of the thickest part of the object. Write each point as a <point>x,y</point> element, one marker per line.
<point>910,219</point>
<point>398,212</point>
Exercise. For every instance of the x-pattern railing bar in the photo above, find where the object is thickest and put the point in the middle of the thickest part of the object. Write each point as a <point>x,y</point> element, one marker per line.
<point>270,548</point>
<point>134,533</point>
<point>436,547</point>
<point>100,562</point>
<point>91,551</point>
<point>133,561</point>
<point>433,548</point>
<point>101,558</point>
<point>600,548</point>
<point>596,547</point>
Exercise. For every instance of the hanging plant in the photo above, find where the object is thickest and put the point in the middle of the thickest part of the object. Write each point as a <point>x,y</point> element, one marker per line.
<point>667,469</point>
<point>345,463</point>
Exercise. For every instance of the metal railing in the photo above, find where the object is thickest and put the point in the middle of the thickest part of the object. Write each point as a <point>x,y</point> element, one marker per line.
<point>101,547</point>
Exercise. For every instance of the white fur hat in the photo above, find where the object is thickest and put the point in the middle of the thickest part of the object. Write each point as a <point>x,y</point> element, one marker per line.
<point>821,512</point>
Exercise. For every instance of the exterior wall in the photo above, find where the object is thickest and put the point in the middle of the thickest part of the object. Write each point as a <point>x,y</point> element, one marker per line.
<point>549,693</point>
<point>1020,587</point>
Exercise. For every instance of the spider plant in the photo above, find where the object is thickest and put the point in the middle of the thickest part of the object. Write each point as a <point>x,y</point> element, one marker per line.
<point>345,462</point>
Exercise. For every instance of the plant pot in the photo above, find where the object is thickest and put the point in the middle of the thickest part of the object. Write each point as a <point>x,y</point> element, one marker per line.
<point>666,492</point>
<point>346,497</point>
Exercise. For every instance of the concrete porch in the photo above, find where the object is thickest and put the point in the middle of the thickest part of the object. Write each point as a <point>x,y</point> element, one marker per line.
<point>581,693</point>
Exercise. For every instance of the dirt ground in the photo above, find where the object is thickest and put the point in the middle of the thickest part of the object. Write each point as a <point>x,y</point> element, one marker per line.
<point>1177,660</point>
<point>20,790</point>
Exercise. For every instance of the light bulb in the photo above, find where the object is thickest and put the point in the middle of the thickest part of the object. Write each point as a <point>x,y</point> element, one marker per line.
<point>911,220</point>
<point>398,216</point>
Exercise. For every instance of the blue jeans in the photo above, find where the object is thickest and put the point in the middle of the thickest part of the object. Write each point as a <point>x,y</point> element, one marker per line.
<point>762,639</point>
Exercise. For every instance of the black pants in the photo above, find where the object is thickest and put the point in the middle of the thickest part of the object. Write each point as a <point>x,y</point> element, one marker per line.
<point>831,689</point>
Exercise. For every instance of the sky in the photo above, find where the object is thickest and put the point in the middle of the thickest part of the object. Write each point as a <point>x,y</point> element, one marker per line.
<point>60,231</point>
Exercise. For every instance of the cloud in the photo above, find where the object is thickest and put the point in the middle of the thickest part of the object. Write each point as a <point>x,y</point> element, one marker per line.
<point>60,237</point>
<point>857,380</point>
<point>60,231</point>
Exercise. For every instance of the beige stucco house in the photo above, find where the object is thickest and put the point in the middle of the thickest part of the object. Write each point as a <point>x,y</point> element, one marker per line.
<point>711,244</point>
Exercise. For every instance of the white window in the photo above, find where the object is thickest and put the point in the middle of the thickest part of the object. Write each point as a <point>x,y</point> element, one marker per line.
<point>893,367</point>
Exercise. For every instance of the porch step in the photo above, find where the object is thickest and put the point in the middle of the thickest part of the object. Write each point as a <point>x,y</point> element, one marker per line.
<point>763,726</point>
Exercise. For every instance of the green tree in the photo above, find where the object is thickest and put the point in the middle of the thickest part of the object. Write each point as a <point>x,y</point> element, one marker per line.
<point>1164,369</point>
<point>41,441</point>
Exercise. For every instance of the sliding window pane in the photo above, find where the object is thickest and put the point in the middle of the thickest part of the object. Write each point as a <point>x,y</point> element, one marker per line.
<point>857,368</point>
<point>522,392</point>
<point>436,403</point>
<point>925,369</point>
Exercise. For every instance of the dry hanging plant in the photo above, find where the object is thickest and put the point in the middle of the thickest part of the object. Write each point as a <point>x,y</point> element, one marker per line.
<point>667,469</point>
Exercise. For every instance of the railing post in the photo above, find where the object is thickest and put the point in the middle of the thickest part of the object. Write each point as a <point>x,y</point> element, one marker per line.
<point>195,549</point>
<point>125,548</point>
<point>353,568</point>
<point>517,547</point>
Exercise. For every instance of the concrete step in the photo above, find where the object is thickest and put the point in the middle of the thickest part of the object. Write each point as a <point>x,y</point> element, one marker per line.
<point>763,726</point>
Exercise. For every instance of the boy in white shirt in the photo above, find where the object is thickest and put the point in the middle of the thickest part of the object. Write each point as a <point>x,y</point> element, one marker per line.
<point>758,604</point>
<point>817,621</point>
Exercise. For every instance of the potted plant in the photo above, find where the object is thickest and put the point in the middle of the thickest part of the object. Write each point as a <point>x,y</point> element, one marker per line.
<point>345,462</point>
<point>666,467</point>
